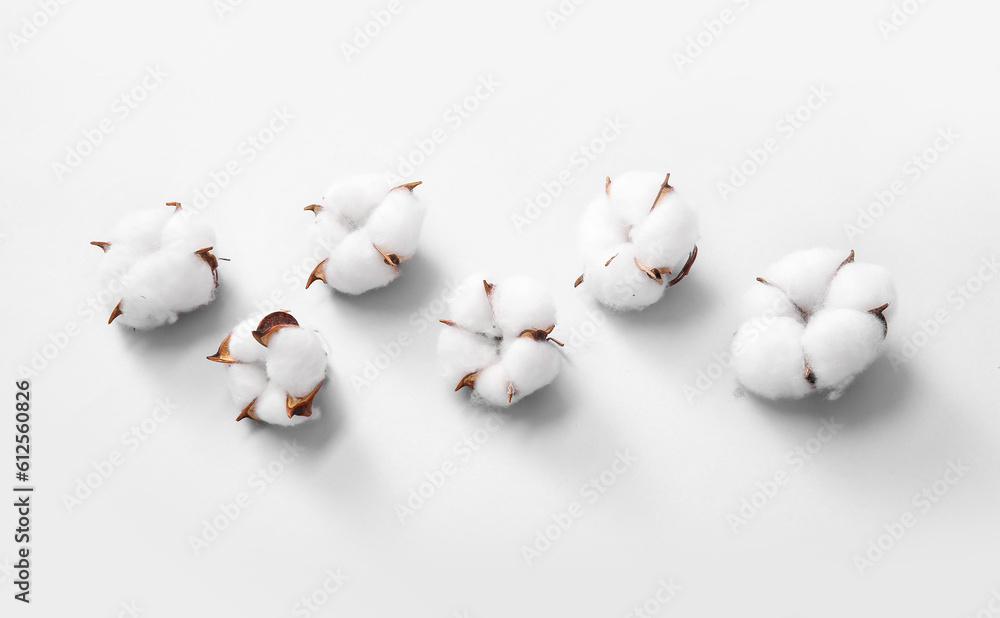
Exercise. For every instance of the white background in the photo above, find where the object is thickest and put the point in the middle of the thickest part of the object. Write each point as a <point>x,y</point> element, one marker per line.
<point>624,388</point>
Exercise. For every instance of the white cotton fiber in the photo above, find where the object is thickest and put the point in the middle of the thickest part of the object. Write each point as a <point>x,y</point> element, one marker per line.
<point>161,260</point>
<point>275,375</point>
<point>834,331</point>
<point>636,241</point>
<point>497,341</point>
<point>296,360</point>
<point>768,358</point>
<point>367,227</point>
<point>805,275</point>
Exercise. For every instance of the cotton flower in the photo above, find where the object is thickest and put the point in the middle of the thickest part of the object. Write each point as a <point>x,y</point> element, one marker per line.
<point>497,341</point>
<point>275,369</point>
<point>813,322</point>
<point>367,227</point>
<point>637,240</point>
<point>164,262</point>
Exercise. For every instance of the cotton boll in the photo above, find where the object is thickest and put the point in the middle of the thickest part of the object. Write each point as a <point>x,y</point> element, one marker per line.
<point>355,197</point>
<point>296,361</point>
<point>161,260</point>
<point>463,352</point>
<point>835,338</point>
<point>276,369</point>
<point>601,229</point>
<point>805,275</point>
<point>521,303</point>
<point>839,344</point>
<point>633,194</point>
<point>531,364</point>
<point>367,228</point>
<point>471,307</point>
<point>768,359</point>
<point>517,316</point>
<point>861,287</point>
<point>492,386</point>
<point>246,383</point>
<point>619,284</point>
<point>394,227</point>
<point>356,266</point>
<point>667,235</point>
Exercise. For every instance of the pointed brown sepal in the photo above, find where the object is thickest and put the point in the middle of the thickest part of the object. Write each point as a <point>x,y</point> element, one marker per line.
<point>317,274</point>
<point>176,205</point>
<point>664,189</point>
<point>810,376</point>
<point>315,208</point>
<point>538,334</point>
<point>877,312</point>
<point>687,267</point>
<point>449,323</point>
<point>579,280</point>
<point>410,186</point>
<point>391,259</point>
<point>272,323</point>
<point>103,245</point>
<point>763,280</point>
<point>117,311</point>
<point>468,380</point>
<point>206,255</point>
<point>223,355</point>
<point>510,392</point>
<point>607,186</point>
<point>301,406</point>
<point>656,274</point>
<point>248,412</point>
<point>610,259</point>
<point>849,259</point>
<point>488,287</point>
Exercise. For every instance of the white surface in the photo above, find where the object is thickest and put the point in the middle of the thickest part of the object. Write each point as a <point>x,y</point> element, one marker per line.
<point>666,516</point>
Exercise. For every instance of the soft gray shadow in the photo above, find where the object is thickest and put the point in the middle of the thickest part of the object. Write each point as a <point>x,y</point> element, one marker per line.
<point>205,327</point>
<point>677,306</point>
<point>315,434</point>
<point>419,279</point>
<point>541,408</point>
<point>877,395</point>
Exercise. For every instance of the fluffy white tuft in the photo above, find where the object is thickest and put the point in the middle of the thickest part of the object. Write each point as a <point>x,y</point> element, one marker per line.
<point>152,257</point>
<point>367,228</point>
<point>268,379</point>
<point>815,321</point>
<point>624,239</point>
<point>494,339</point>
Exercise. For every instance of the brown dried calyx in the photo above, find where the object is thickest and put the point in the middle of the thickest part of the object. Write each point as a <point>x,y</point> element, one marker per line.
<point>655,273</point>
<point>391,259</point>
<point>270,324</point>
<point>204,254</point>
